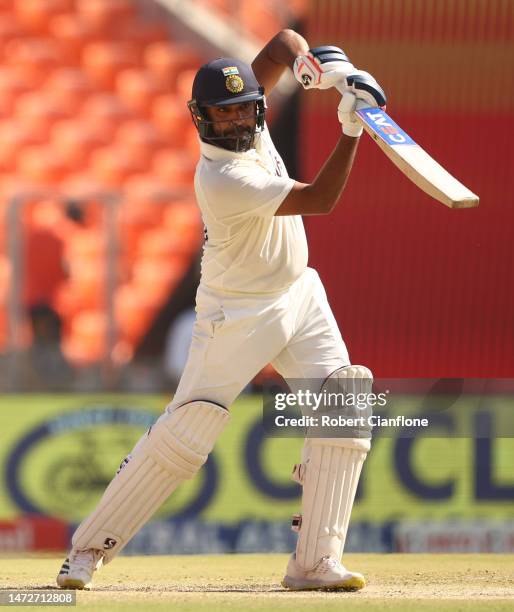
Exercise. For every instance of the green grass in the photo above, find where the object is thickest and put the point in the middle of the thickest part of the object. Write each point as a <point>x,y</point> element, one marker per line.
<point>252,582</point>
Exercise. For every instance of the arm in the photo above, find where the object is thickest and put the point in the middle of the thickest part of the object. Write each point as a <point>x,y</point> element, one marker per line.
<point>321,196</point>
<point>278,54</point>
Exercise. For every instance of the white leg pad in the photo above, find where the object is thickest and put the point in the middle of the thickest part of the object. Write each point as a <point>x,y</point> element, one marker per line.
<point>329,473</point>
<point>175,449</point>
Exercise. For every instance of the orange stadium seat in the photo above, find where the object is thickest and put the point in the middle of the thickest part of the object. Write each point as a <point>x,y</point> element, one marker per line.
<point>66,303</point>
<point>111,165</point>
<point>171,115</point>
<point>103,113</point>
<point>39,113</point>
<point>87,244</point>
<point>148,188</point>
<point>86,343</point>
<point>185,84</point>
<point>106,106</point>
<point>106,15</point>
<point>137,89</point>
<point>138,133</point>
<point>75,141</point>
<point>137,214</point>
<point>139,141</point>
<point>184,219</point>
<point>192,142</point>
<point>72,33</point>
<point>37,56</point>
<point>166,60</point>
<point>158,277</point>
<point>92,99</point>
<point>143,33</point>
<point>103,61</point>
<point>70,85</point>
<point>88,282</point>
<point>9,30</point>
<point>174,168</point>
<point>50,214</point>
<point>34,15</point>
<point>12,185</point>
<point>161,243</point>
<point>76,154</point>
<point>259,19</point>
<point>134,310</point>
<point>141,213</point>
<point>38,105</point>
<point>81,186</point>
<point>7,104</point>
<point>69,104</point>
<point>40,166</point>
<point>85,256</point>
<point>13,137</point>
<point>15,80</point>
<point>45,213</point>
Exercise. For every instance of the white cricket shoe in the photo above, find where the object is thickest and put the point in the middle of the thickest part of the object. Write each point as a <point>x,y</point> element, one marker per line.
<point>77,570</point>
<point>328,574</point>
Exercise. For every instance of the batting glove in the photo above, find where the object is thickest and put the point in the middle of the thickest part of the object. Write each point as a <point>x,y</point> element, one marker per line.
<point>345,114</point>
<point>360,90</point>
<point>365,88</point>
<point>322,67</point>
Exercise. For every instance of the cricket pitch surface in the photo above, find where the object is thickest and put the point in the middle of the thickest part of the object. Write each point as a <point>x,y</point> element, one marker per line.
<point>252,582</point>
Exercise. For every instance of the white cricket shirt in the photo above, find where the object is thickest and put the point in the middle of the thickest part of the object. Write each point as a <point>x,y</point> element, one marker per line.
<point>247,248</point>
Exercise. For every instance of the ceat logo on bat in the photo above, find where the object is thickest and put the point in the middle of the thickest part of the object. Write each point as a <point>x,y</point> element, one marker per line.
<point>385,127</point>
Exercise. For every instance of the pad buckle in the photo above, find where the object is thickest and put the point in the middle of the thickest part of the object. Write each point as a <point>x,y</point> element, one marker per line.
<point>296,523</point>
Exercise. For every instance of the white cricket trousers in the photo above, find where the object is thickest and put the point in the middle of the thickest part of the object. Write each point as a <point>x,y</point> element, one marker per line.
<point>234,337</point>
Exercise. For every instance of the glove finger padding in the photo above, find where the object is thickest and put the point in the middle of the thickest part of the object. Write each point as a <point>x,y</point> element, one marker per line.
<point>329,53</point>
<point>365,87</point>
<point>347,117</point>
<point>322,67</point>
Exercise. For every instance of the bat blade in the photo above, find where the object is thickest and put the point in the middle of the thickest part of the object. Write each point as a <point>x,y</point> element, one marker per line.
<point>415,162</point>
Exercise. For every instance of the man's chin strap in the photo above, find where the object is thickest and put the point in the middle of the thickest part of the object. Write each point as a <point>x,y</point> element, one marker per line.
<point>329,474</point>
<point>174,450</point>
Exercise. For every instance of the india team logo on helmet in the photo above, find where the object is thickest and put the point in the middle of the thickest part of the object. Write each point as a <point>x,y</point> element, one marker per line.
<point>234,83</point>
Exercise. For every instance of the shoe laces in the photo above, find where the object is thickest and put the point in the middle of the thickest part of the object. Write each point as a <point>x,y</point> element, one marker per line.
<point>326,564</point>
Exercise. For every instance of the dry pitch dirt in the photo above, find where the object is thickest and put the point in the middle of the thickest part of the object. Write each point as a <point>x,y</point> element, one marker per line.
<point>252,582</point>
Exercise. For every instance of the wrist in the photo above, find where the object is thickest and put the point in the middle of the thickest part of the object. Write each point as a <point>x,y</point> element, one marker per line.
<point>354,130</point>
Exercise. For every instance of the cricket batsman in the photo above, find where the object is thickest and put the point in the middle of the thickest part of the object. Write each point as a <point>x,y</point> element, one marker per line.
<point>257,303</point>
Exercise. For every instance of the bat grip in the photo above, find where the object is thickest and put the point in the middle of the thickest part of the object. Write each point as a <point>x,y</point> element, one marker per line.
<point>342,89</point>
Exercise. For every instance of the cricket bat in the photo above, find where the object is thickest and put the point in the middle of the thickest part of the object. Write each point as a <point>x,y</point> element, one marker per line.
<point>413,161</point>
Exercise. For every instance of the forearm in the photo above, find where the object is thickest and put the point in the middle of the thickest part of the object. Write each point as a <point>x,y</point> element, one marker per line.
<point>283,48</point>
<point>326,189</point>
<point>321,196</point>
<point>277,55</point>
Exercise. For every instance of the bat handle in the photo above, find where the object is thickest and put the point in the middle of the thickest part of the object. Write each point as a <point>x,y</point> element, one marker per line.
<point>360,103</point>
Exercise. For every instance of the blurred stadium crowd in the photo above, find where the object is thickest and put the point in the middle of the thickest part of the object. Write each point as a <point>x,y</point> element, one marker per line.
<point>98,225</point>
